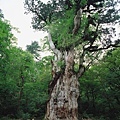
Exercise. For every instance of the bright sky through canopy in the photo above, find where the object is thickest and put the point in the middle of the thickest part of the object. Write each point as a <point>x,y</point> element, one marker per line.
<point>13,11</point>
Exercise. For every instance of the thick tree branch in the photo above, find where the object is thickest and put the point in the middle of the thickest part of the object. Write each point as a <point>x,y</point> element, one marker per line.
<point>52,46</point>
<point>81,66</point>
<point>77,21</point>
<point>81,71</point>
<point>94,48</point>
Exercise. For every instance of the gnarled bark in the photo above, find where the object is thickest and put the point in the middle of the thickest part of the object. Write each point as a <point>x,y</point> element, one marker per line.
<point>64,94</point>
<point>64,88</point>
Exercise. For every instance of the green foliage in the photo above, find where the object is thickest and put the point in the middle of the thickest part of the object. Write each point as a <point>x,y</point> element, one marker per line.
<point>23,81</point>
<point>34,49</point>
<point>46,12</point>
<point>8,96</point>
<point>83,2</point>
<point>100,88</point>
<point>23,91</point>
<point>58,18</point>
<point>61,30</point>
<point>5,43</point>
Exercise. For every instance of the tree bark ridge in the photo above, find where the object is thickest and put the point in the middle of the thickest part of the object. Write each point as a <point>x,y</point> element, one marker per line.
<point>65,92</point>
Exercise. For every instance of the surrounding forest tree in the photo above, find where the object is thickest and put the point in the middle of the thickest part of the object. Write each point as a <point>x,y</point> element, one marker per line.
<point>100,88</point>
<point>34,49</point>
<point>77,32</point>
<point>23,93</point>
<point>5,43</point>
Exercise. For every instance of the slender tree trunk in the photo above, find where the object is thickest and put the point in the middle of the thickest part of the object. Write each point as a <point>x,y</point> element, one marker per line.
<point>21,90</point>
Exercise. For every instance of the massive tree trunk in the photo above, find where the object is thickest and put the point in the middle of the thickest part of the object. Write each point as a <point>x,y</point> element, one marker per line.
<point>64,88</point>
